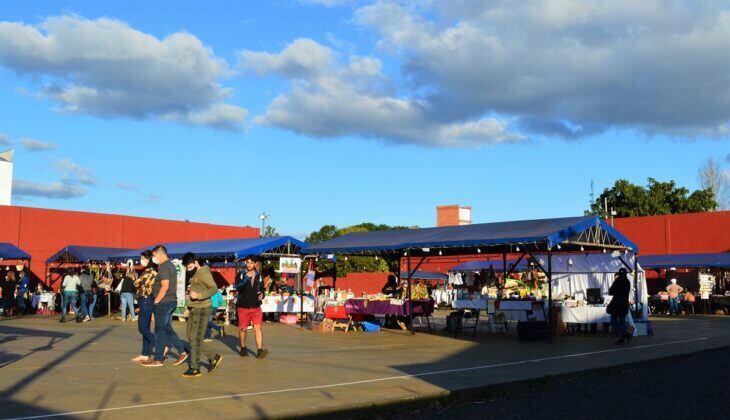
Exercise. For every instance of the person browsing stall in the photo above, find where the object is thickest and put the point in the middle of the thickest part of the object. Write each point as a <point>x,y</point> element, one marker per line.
<point>619,306</point>
<point>250,289</point>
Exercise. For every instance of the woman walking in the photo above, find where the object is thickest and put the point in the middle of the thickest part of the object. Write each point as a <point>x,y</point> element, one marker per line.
<point>143,285</point>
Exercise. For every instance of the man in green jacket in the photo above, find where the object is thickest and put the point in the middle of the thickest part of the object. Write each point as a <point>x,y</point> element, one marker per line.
<point>202,287</point>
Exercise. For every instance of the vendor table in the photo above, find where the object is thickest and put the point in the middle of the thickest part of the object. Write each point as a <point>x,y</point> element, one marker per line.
<point>289,304</point>
<point>590,315</point>
<point>357,309</point>
<point>499,311</point>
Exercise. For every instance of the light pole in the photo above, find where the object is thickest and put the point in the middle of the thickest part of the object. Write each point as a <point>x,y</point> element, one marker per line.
<point>263,217</point>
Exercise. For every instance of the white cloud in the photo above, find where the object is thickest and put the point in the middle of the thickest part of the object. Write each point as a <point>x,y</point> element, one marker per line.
<point>56,190</point>
<point>106,68</point>
<point>333,99</point>
<point>37,145</point>
<point>566,68</point>
<point>151,198</point>
<point>5,140</point>
<point>301,58</point>
<point>73,173</point>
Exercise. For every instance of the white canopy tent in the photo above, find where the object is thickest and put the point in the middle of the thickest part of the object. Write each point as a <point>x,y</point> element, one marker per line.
<point>576,273</point>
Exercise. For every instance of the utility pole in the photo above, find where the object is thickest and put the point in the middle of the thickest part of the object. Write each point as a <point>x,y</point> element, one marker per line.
<point>263,217</point>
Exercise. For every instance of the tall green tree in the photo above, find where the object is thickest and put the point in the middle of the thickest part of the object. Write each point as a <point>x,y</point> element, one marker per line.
<point>656,198</point>
<point>270,232</point>
<point>353,264</point>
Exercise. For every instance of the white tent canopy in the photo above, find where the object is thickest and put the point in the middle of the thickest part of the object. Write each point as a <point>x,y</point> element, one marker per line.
<point>575,273</point>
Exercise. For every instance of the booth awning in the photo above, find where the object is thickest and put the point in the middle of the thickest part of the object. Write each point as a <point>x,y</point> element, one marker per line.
<point>425,275</point>
<point>83,254</point>
<point>484,265</point>
<point>571,233</point>
<point>11,252</point>
<point>225,248</point>
<point>721,260</point>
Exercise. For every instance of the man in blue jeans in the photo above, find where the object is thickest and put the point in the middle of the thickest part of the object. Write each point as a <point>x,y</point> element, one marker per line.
<point>165,292</point>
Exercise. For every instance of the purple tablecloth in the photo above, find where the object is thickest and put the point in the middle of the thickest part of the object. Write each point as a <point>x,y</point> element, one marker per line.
<point>377,307</point>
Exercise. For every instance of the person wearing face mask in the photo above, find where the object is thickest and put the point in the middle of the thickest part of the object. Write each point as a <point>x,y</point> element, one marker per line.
<point>164,291</point>
<point>143,286</point>
<point>198,310</point>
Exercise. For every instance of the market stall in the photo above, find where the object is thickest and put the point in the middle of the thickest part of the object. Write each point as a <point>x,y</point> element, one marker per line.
<point>711,277</point>
<point>76,255</point>
<point>229,253</point>
<point>523,238</point>
<point>13,258</point>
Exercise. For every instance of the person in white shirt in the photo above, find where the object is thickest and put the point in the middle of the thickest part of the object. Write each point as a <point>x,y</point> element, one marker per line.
<point>70,293</point>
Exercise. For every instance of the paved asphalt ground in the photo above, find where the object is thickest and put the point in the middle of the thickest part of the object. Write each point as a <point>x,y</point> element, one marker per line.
<point>691,386</point>
<point>84,371</point>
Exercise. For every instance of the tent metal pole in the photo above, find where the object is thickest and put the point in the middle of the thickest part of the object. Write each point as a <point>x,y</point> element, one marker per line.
<point>410,301</point>
<point>334,272</point>
<point>550,297</point>
<point>636,286</point>
<point>504,276</point>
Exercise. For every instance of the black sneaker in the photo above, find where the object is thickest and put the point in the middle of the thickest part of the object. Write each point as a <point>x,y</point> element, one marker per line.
<point>243,352</point>
<point>191,373</point>
<point>62,320</point>
<point>261,353</point>
<point>214,363</point>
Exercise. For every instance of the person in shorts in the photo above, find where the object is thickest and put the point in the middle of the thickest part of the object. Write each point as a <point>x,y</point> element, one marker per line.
<point>250,288</point>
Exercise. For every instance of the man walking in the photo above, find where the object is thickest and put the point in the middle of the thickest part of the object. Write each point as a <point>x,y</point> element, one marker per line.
<point>165,292</point>
<point>199,307</point>
<point>250,288</point>
<point>619,306</point>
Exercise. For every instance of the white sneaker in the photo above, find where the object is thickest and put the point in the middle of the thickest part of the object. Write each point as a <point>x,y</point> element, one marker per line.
<point>135,318</point>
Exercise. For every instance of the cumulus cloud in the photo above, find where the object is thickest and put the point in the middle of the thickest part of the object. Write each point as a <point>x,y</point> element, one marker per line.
<point>565,68</point>
<point>329,98</point>
<point>106,68</point>
<point>57,190</point>
<point>73,173</point>
<point>34,145</point>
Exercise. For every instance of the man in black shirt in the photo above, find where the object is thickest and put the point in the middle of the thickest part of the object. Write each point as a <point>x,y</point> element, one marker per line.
<point>164,291</point>
<point>250,288</point>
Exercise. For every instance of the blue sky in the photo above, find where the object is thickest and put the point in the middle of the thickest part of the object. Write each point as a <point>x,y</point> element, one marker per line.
<point>340,112</point>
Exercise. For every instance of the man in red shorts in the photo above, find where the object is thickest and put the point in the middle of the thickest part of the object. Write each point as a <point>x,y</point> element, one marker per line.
<point>250,288</point>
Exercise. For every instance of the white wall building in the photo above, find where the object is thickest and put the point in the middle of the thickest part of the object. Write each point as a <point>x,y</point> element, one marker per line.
<point>6,177</point>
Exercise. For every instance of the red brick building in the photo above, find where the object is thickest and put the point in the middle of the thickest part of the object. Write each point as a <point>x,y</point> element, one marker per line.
<point>42,232</point>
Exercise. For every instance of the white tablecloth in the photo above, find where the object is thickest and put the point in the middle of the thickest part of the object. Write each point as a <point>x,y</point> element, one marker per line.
<point>585,314</point>
<point>286,305</point>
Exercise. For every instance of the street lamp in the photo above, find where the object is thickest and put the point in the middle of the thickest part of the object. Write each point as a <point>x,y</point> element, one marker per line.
<point>263,217</point>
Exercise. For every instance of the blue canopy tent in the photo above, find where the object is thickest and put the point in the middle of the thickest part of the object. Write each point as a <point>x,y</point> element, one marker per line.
<point>485,265</point>
<point>425,275</point>
<point>82,254</point>
<point>570,234</point>
<point>79,254</point>
<point>11,252</point>
<point>657,262</point>
<point>225,248</point>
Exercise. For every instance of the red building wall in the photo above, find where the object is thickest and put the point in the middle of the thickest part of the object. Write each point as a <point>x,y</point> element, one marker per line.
<point>42,232</point>
<point>690,233</point>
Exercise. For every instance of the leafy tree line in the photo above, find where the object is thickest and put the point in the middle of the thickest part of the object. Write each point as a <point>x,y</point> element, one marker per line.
<point>353,264</point>
<point>655,198</point>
